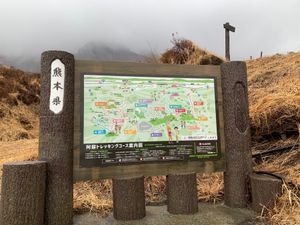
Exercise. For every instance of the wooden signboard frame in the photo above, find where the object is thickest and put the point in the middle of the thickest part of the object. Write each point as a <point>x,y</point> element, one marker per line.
<point>149,169</point>
<point>60,139</point>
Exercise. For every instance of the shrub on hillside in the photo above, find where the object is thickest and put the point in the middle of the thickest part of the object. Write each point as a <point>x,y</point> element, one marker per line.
<point>187,52</point>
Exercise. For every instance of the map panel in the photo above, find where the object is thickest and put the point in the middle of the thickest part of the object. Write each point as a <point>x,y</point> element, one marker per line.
<point>137,119</point>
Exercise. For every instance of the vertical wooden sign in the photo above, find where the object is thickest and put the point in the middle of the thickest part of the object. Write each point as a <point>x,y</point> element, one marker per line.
<point>227,28</point>
<point>56,134</point>
<point>56,100</point>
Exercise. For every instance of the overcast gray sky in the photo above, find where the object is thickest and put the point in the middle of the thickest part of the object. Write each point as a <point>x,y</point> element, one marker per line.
<point>32,26</point>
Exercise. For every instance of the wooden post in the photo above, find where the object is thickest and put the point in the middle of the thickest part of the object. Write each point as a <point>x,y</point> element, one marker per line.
<point>129,198</point>
<point>182,193</point>
<point>237,133</point>
<point>227,28</point>
<point>261,54</point>
<point>56,134</point>
<point>264,189</point>
<point>23,193</point>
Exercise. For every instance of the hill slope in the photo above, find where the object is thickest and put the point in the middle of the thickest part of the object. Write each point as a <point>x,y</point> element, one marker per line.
<point>19,104</point>
<point>274,94</point>
<point>274,114</point>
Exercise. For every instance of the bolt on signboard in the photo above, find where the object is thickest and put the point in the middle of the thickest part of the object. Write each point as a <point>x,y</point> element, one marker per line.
<point>141,119</point>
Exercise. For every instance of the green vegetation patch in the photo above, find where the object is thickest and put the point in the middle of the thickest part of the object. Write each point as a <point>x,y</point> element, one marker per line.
<point>111,134</point>
<point>166,119</point>
<point>186,117</point>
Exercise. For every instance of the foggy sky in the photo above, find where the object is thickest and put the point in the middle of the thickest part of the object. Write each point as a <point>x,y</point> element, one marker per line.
<point>33,26</point>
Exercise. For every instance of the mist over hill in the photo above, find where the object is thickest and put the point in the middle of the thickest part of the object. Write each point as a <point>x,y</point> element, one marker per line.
<point>90,51</point>
<point>25,62</point>
<point>106,52</point>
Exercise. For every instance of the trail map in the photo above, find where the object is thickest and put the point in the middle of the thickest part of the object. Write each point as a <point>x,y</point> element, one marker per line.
<point>130,119</point>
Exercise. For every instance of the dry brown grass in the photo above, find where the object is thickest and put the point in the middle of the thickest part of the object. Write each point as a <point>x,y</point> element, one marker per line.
<point>187,52</point>
<point>287,208</point>
<point>19,104</point>
<point>274,108</point>
<point>93,196</point>
<point>155,190</point>
<point>274,94</point>
<point>272,143</point>
<point>18,122</point>
<point>14,151</point>
<point>210,187</point>
<point>96,196</point>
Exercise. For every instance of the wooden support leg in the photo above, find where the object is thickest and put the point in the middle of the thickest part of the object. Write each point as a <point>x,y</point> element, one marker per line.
<point>264,189</point>
<point>129,198</point>
<point>23,193</point>
<point>182,193</point>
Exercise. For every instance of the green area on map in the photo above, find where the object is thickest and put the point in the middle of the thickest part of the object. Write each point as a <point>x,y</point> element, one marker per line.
<point>144,109</point>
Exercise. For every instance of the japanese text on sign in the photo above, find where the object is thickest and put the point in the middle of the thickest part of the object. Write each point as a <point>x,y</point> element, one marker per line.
<point>56,100</point>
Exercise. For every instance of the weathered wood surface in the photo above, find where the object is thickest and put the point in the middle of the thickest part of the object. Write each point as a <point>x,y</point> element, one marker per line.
<point>56,142</point>
<point>165,168</point>
<point>227,45</point>
<point>129,198</point>
<point>23,193</point>
<point>228,28</point>
<point>182,193</point>
<point>264,189</point>
<point>237,133</point>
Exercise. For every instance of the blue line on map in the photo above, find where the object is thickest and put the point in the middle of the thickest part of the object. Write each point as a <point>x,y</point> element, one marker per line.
<point>99,131</point>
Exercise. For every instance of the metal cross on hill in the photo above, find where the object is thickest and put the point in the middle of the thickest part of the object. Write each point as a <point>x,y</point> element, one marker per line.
<point>227,28</point>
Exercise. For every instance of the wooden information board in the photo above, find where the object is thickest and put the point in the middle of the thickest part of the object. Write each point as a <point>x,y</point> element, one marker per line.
<point>135,119</point>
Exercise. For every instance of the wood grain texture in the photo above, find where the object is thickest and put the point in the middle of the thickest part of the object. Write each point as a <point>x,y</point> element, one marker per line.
<point>227,45</point>
<point>129,198</point>
<point>23,193</point>
<point>56,142</point>
<point>182,193</point>
<point>237,133</point>
<point>264,189</point>
<point>241,113</point>
<point>124,68</point>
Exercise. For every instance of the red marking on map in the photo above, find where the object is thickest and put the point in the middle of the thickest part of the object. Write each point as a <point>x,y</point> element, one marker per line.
<point>193,127</point>
<point>198,103</point>
<point>174,95</point>
<point>174,85</point>
<point>118,120</point>
<point>180,110</point>
<point>158,108</point>
<point>101,103</point>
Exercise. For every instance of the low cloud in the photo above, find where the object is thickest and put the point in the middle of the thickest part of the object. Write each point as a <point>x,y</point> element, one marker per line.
<point>33,26</point>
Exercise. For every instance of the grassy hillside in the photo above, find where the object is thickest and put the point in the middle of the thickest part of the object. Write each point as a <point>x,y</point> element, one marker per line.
<point>274,94</point>
<point>19,104</point>
<point>274,98</point>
